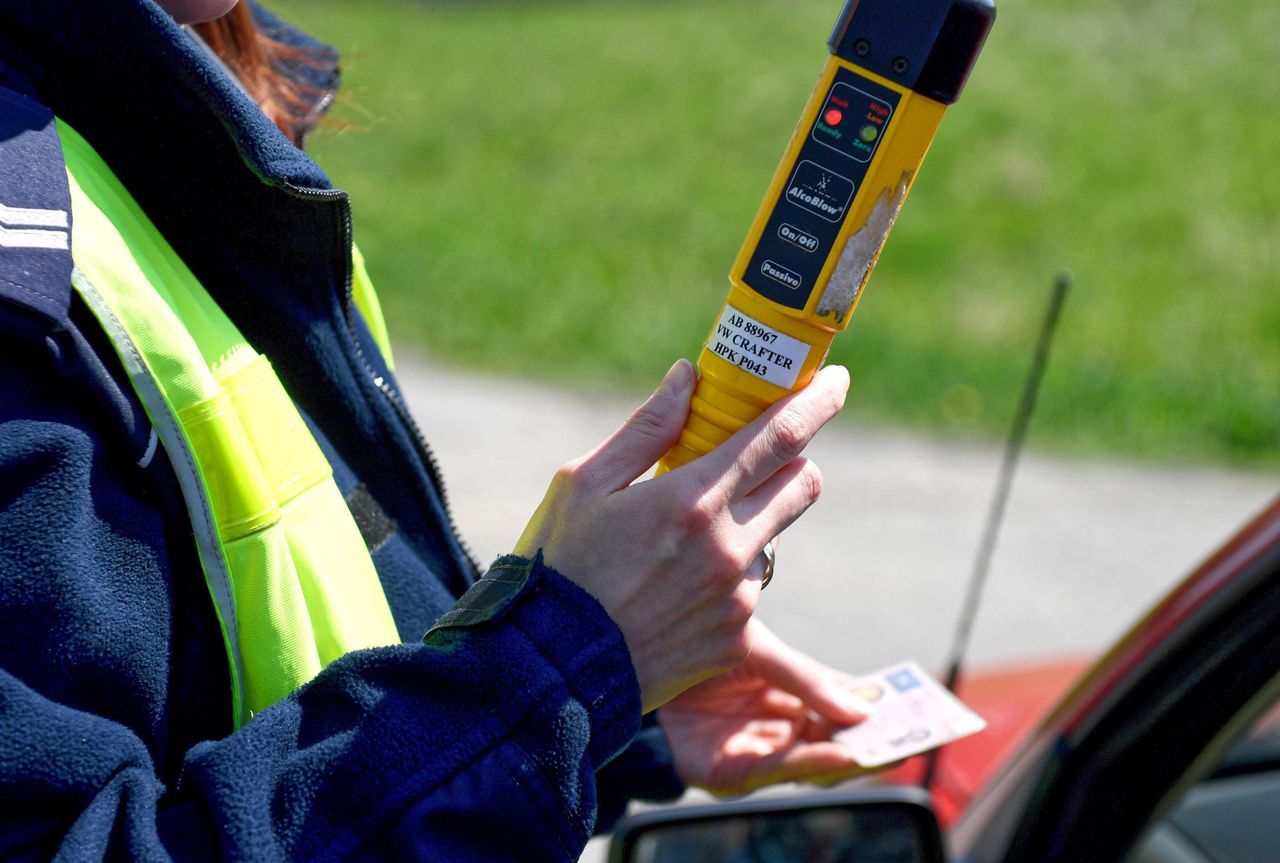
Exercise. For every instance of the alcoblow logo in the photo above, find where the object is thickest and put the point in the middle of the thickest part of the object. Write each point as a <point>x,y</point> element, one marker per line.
<point>820,190</point>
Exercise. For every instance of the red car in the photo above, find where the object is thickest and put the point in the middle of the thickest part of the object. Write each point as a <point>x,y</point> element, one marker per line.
<point>1167,750</point>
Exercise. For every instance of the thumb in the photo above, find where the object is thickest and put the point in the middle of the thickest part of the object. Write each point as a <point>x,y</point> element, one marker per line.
<point>647,434</point>
<point>821,689</point>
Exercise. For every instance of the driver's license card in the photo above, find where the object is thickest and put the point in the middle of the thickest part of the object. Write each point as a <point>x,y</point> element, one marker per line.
<point>913,714</point>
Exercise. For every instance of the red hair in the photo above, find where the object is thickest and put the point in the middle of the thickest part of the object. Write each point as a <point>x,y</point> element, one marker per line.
<point>261,64</point>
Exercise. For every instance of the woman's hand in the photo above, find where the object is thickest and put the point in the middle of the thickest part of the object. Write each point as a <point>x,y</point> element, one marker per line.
<point>675,560</point>
<point>768,720</point>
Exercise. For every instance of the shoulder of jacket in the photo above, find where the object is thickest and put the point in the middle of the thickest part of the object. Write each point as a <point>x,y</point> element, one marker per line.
<point>35,209</point>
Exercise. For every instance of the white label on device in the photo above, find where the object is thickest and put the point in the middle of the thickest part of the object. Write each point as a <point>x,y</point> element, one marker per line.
<point>753,347</point>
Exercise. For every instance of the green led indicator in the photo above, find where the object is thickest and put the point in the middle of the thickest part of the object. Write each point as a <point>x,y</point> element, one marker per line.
<point>868,133</point>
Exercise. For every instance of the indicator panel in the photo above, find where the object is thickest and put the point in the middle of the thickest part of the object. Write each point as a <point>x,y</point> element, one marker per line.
<point>866,118</point>
<point>820,190</point>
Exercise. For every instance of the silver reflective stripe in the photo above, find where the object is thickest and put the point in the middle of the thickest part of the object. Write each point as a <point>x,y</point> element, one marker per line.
<point>32,239</point>
<point>165,425</point>
<point>18,228</point>
<point>33,216</point>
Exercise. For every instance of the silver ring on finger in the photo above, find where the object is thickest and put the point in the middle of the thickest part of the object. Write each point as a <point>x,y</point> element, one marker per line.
<point>768,554</point>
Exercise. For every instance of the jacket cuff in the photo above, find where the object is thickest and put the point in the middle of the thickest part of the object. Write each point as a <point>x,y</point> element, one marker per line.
<point>644,770</point>
<point>572,631</point>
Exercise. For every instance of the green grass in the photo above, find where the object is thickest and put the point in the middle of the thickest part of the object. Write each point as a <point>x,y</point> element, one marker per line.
<point>556,189</point>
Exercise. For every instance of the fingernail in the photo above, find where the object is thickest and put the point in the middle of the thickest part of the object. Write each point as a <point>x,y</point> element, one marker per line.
<point>679,376</point>
<point>842,371</point>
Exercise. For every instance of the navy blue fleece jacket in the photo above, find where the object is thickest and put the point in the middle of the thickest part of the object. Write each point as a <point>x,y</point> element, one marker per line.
<point>499,736</point>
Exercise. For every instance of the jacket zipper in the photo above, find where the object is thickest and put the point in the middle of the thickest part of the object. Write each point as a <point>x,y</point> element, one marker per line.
<point>389,392</point>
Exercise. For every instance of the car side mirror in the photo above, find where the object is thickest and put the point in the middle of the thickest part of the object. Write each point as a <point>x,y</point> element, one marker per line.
<point>882,825</point>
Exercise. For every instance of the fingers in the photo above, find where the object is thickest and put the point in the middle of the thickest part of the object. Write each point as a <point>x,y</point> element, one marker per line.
<point>779,435</point>
<point>644,437</point>
<point>756,766</point>
<point>781,499</point>
<point>779,703</point>
<point>822,763</point>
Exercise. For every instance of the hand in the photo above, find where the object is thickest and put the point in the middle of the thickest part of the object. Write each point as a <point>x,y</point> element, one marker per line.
<point>675,559</point>
<point>768,720</point>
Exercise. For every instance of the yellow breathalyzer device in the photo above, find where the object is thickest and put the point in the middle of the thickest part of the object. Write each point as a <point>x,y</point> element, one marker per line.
<point>893,68</point>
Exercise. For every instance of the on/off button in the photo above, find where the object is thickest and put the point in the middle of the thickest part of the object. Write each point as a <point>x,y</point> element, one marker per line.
<point>797,237</point>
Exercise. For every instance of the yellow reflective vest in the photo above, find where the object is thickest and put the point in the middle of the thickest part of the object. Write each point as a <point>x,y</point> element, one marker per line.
<point>290,576</point>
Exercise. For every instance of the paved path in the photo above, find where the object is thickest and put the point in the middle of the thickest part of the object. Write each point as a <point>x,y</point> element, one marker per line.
<point>875,571</point>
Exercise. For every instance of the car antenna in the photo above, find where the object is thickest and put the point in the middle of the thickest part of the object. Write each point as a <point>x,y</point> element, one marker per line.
<point>995,515</point>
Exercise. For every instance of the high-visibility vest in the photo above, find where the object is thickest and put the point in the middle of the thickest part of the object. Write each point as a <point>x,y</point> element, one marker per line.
<point>288,571</point>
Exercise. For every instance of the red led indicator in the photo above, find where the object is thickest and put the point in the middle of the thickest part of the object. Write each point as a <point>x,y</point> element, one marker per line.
<point>833,117</point>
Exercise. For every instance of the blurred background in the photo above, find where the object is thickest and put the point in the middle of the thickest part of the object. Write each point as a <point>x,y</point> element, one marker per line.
<point>555,190</point>
<point>550,195</point>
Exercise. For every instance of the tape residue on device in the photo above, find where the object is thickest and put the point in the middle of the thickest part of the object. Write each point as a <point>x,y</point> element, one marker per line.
<point>860,253</point>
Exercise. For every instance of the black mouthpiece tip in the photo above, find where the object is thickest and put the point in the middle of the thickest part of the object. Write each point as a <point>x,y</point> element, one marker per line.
<point>928,46</point>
